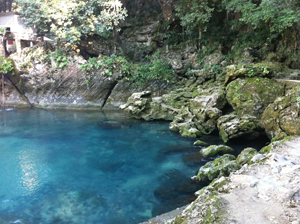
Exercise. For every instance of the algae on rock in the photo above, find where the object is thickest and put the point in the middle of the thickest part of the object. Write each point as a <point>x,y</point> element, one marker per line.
<point>219,167</point>
<point>252,95</point>
<point>232,126</point>
<point>214,150</point>
<point>281,118</point>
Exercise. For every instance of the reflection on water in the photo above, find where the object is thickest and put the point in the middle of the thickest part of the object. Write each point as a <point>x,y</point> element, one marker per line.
<point>29,174</point>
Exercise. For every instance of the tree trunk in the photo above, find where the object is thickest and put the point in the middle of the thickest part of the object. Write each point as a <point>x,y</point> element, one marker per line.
<point>200,36</point>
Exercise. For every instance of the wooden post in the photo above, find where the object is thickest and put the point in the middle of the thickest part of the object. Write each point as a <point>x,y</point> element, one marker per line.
<point>18,45</point>
<point>3,96</point>
<point>2,51</point>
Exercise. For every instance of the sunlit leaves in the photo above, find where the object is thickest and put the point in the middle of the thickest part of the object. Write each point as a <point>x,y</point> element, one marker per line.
<point>72,19</point>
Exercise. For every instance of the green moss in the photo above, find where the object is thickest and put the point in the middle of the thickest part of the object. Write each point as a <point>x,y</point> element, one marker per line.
<point>266,149</point>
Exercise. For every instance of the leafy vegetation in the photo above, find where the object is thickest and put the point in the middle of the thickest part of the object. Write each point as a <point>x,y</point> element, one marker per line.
<point>108,65</point>
<point>72,20</point>
<point>157,68</point>
<point>237,24</point>
<point>6,65</point>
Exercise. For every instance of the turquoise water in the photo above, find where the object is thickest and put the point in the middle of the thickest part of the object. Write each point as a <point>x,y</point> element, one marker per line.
<point>89,167</point>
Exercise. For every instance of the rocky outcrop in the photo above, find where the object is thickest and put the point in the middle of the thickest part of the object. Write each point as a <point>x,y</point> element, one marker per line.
<point>220,167</point>
<point>281,118</point>
<point>249,188</point>
<point>214,150</point>
<point>262,70</point>
<point>61,83</point>
<point>142,106</point>
<point>200,117</point>
<point>246,155</point>
<point>252,95</point>
<point>232,126</point>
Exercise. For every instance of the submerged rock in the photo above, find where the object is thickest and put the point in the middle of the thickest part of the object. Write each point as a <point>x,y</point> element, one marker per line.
<point>232,126</point>
<point>222,166</point>
<point>214,150</point>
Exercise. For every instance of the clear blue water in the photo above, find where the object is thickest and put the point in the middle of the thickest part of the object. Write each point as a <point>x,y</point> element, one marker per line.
<point>89,167</point>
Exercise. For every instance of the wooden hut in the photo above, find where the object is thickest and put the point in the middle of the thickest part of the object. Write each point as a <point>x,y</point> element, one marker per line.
<point>14,35</point>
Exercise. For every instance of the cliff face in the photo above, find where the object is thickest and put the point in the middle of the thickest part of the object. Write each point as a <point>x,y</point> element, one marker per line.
<point>45,84</point>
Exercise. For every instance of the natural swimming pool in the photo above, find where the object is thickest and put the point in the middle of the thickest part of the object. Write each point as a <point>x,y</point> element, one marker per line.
<point>61,166</point>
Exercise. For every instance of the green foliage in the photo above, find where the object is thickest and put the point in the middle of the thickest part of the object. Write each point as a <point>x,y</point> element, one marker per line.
<point>195,14</point>
<point>2,30</point>
<point>277,15</point>
<point>60,57</point>
<point>108,65</point>
<point>72,19</point>
<point>6,65</point>
<point>158,68</point>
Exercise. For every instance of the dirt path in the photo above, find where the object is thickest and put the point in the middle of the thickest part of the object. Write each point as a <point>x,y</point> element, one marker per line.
<point>267,192</point>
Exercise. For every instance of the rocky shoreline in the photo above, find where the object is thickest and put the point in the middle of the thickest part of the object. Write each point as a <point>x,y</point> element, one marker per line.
<point>240,101</point>
<point>267,191</point>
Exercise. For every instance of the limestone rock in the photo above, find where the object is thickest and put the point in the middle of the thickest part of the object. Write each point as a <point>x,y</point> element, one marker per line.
<point>264,69</point>
<point>214,150</point>
<point>142,106</point>
<point>232,126</point>
<point>252,95</point>
<point>281,118</point>
<point>202,107</point>
<point>213,59</point>
<point>220,167</point>
<point>246,155</point>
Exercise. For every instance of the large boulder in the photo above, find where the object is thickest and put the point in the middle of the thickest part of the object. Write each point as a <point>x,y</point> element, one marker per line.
<point>142,106</point>
<point>252,95</point>
<point>214,150</point>
<point>221,166</point>
<point>246,155</point>
<point>232,126</point>
<point>263,69</point>
<point>281,118</point>
<point>200,113</point>
<point>184,123</point>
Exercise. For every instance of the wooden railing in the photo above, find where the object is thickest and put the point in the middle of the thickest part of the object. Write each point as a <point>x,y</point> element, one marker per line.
<point>6,5</point>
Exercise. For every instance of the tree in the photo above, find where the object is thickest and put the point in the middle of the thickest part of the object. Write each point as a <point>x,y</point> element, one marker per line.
<point>72,20</point>
<point>195,14</point>
<point>277,15</point>
<point>6,5</point>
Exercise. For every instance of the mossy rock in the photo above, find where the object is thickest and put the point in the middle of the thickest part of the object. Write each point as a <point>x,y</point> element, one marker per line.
<point>257,70</point>
<point>252,95</point>
<point>246,155</point>
<point>233,126</point>
<point>220,167</point>
<point>214,150</point>
<point>266,149</point>
<point>200,143</point>
<point>281,118</point>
